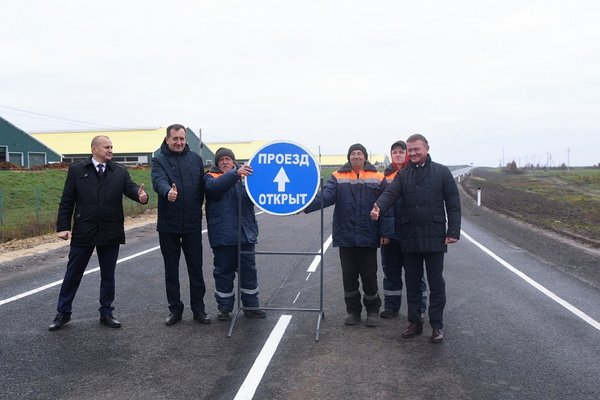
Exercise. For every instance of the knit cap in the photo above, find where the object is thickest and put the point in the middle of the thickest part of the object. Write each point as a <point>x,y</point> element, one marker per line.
<point>357,146</point>
<point>223,151</point>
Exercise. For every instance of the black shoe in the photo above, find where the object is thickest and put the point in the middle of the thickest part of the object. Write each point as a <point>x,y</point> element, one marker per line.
<point>387,313</point>
<point>202,318</point>
<point>223,315</point>
<point>255,313</point>
<point>59,321</point>
<point>172,319</point>
<point>109,321</point>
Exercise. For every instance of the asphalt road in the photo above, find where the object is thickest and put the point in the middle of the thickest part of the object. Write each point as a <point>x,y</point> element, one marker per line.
<point>504,338</point>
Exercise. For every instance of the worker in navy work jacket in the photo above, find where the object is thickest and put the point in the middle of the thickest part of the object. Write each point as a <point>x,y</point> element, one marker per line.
<point>353,189</point>
<point>224,186</point>
<point>392,261</point>
<point>177,177</point>
<point>93,200</point>
<point>428,193</point>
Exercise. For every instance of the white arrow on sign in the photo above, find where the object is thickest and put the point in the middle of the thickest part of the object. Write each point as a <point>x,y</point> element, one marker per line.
<point>281,179</point>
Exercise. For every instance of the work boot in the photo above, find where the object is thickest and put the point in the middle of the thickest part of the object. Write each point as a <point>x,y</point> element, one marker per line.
<point>372,319</point>
<point>352,319</point>
<point>223,315</point>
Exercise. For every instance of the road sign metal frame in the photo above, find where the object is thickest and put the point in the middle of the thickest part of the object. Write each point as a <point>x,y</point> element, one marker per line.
<point>240,307</point>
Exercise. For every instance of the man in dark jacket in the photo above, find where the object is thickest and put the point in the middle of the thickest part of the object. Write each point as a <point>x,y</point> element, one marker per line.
<point>224,186</point>
<point>177,177</point>
<point>353,189</point>
<point>94,189</point>
<point>428,193</point>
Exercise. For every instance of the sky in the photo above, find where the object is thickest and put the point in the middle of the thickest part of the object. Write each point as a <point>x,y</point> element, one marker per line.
<point>487,82</point>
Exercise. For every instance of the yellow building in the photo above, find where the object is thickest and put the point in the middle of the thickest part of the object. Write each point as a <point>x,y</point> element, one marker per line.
<point>132,146</point>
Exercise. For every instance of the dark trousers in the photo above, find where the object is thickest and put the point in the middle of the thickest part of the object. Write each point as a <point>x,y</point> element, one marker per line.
<point>360,262</point>
<point>392,262</point>
<point>79,256</point>
<point>171,245</point>
<point>413,270</point>
<point>226,263</point>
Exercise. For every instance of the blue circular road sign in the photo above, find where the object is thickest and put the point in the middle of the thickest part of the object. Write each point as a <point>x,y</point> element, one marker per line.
<point>285,178</point>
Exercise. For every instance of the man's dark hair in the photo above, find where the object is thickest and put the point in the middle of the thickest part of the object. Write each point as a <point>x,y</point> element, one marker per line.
<point>415,137</point>
<point>175,127</point>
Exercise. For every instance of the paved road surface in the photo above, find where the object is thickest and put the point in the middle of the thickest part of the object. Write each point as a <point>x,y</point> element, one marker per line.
<point>504,338</point>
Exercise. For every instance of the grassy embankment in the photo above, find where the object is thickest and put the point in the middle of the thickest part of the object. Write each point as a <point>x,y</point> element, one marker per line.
<point>567,202</point>
<point>30,201</point>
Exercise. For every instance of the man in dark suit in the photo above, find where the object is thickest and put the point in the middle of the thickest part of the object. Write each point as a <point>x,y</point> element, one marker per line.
<point>94,190</point>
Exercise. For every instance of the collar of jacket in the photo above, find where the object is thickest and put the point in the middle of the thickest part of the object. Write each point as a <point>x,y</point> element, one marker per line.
<point>427,162</point>
<point>164,148</point>
<point>215,168</point>
<point>88,161</point>
<point>390,169</point>
<point>348,167</point>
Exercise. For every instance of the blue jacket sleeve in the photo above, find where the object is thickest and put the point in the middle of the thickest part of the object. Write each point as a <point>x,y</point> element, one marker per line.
<point>216,187</point>
<point>329,195</point>
<point>160,180</point>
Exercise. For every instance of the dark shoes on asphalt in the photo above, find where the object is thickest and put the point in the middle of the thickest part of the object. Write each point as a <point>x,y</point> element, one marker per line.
<point>59,321</point>
<point>110,321</point>
<point>372,319</point>
<point>223,315</point>
<point>387,313</point>
<point>437,336</point>
<point>202,318</point>
<point>413,329</point>
<point>255,313</point>
<point>172,319</point>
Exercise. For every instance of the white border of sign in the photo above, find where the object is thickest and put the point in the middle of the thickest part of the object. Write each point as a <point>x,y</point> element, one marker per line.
<point>318,180</point>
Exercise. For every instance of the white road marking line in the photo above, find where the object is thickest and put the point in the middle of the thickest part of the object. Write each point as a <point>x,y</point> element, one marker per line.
<point>298,295</point>
<point>261,363</point>
<point>536,285</point>
<point>317,260</point>
<point>307,276</point>
<point>89,271</point>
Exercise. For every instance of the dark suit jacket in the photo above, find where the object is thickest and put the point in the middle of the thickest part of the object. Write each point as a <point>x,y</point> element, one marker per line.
<point>98,203</point>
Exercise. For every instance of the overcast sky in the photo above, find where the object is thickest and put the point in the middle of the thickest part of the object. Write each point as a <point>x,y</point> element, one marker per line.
<point>478,78</point>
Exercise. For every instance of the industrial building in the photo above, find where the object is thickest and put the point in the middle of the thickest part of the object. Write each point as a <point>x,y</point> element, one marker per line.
<point>19,148</point>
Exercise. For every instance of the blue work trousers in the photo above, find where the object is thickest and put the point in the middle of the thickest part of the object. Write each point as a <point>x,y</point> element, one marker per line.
<point>392,262</point>
<point>226,265</point>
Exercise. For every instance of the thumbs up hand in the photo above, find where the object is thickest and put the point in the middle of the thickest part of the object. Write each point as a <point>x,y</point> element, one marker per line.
<point>375,212</point>
<point>172,195</point>
<point>142,195</point>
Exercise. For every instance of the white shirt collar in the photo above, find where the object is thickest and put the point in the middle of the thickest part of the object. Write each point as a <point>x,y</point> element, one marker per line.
<point>96,163</point>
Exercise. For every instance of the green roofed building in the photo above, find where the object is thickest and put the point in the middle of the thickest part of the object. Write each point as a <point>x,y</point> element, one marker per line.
<point>21,149</point>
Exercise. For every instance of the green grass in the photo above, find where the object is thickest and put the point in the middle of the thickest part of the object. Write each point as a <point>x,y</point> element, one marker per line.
<point>30,201</point>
